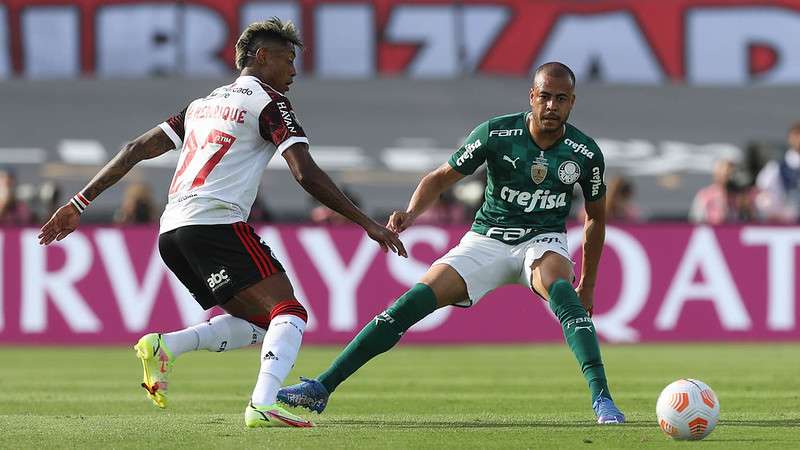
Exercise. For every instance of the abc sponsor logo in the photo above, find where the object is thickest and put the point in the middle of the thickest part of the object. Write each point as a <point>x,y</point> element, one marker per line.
<point>217,279</point>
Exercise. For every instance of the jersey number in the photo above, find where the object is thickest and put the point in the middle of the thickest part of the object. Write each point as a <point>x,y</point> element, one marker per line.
<point>224,140</point>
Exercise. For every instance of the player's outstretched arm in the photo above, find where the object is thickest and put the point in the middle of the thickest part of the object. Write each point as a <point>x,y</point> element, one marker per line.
<point>594,230</point>
<point>67,218</point>
<point>429,189</point>
<point>317,183</point>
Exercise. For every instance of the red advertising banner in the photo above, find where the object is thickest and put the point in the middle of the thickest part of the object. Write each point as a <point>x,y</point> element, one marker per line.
<point>731,42</point>
<point>657,283</point>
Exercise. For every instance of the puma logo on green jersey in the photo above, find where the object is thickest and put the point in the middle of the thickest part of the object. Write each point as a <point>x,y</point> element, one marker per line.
<point>541,199</point>
<point>512,161</point>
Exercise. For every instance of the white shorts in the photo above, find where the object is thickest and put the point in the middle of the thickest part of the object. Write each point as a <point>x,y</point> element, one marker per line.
<point>486,263</point>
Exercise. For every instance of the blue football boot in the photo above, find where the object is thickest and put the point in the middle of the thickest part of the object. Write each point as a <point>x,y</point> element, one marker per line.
<point>606,411</point>
<point>309,394</point>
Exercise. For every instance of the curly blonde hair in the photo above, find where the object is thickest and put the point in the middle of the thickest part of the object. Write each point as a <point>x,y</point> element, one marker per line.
<point>258,33</point>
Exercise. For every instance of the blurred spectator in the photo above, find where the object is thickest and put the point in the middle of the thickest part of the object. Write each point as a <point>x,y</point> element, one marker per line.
<point>323,215</point>
<point>49,199</point>
<point>447,210</point>
<point>260,212</point>
<point>724,200</point>
<point>778,198</point>
<point>471,192</point>
<point>620,206</point>
<point>12,211</point>
<point>137,205</point>
<point>756,155</point>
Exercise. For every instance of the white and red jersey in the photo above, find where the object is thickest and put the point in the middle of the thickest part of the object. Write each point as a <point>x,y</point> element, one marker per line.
<point>226,141</point>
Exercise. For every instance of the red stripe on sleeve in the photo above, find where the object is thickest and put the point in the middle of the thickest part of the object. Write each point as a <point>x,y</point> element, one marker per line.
<point>176,122</point>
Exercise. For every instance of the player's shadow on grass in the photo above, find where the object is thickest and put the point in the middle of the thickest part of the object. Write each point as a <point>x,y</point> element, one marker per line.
<point>405,423</point>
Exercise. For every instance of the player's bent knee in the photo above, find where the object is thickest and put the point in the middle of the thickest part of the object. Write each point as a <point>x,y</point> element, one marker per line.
<point>446,284</point>
<point>557,291</point>
<point>261,320</point>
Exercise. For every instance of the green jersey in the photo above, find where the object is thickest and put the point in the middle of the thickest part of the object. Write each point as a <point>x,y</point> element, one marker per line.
<point>528,189</point>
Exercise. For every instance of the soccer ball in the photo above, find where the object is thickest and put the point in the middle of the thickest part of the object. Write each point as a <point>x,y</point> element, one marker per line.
<point>687,409</point>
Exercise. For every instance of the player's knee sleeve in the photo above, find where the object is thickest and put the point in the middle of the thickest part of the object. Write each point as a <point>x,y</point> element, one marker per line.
<point>411,307</point>
<point>289,307</point>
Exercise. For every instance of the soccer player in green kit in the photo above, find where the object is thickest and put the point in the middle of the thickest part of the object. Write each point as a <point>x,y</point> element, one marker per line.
<point>533,160</point>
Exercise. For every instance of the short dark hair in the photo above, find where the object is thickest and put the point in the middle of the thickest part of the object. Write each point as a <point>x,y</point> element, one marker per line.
<point>259,33</point>
<point>556,69</point>
<point>795,128</point>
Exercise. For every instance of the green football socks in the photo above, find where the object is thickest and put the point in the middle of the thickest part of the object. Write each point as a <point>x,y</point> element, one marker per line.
<point>381,334</point>
<point>580,335</point>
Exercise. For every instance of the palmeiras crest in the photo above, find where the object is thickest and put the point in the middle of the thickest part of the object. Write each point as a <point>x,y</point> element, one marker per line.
<point>569,172</point>
<point>539,168</point>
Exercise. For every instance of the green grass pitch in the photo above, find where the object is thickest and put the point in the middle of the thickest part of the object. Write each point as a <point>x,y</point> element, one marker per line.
<point>522,396</point>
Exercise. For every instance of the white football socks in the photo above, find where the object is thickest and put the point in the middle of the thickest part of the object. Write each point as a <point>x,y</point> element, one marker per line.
<point>221,333</point>
<point>278,354</point>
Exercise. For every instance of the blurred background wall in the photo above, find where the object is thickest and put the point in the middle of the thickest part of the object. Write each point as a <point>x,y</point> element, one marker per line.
<point>388,88</point>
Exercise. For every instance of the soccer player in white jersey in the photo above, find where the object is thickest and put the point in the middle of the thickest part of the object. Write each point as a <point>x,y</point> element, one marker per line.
<point>225,141</point>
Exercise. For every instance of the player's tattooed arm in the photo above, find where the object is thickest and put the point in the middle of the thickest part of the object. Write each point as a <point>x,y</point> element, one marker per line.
<point>594,230</point>
<point>67,218</point>
<point>149,145</point>
<point>317,183</point>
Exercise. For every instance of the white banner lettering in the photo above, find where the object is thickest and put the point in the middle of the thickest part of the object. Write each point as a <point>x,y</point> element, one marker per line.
<point>781,246</point>
<point>137,40</point>
<point>345,41</point>
<point>38,284</point>
<point>703,254</point>
<point>341,279</point>
<point>610,43</point>
<point>5,58</point>
<point>55,53</point>
<point>409,271</point>
<point>614,324</point>
<point>2,287</point>
<point>204,38</point>
<point>272,237</point>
